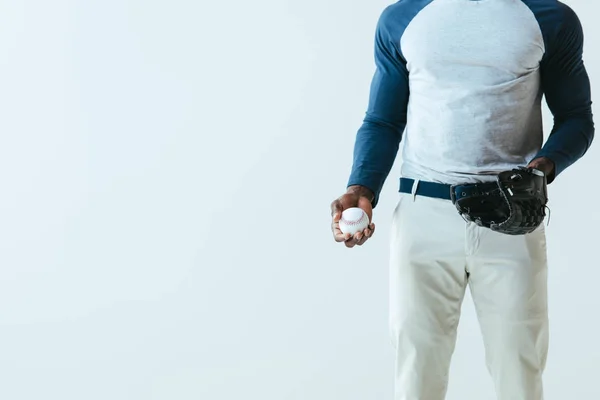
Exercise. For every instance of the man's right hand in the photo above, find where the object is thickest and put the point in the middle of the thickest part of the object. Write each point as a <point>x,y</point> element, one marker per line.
<point>356,196</point>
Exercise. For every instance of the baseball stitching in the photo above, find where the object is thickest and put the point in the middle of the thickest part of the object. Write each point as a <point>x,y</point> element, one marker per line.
<point>354,222</point>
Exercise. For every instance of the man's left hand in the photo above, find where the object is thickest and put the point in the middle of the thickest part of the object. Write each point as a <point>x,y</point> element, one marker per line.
<point>545,165</point>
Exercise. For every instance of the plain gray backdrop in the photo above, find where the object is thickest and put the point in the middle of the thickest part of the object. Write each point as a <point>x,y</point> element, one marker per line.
<point>166,173</point>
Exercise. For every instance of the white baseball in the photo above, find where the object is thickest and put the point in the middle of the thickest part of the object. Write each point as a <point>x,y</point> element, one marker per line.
<point>353,220</point>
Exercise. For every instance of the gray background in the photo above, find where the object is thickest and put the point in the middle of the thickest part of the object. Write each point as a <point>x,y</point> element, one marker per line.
<point>166,171</point>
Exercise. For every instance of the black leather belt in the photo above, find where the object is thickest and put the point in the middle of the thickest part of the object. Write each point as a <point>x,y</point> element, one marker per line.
<point>445,191</point>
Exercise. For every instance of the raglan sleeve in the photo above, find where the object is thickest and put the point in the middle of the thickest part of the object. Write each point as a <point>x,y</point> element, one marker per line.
<point>566,87</point>
<point>378,138</point>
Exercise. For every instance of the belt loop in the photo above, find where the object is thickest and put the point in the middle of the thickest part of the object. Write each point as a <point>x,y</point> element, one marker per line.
<point>415,186</point>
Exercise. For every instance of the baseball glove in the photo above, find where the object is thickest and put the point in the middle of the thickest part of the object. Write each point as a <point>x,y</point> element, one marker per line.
<point>515,204</point>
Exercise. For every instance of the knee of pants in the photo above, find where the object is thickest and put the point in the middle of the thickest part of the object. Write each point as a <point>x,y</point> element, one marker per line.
<point>405,329</point>
<point>420,331</point>
<point>515,344</point>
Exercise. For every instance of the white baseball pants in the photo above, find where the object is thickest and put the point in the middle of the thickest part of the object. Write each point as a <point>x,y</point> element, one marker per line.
<point>435,255</point>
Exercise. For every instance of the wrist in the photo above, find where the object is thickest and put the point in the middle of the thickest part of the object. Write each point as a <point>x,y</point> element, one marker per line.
<point>361,191</point>
<point>543,164</point>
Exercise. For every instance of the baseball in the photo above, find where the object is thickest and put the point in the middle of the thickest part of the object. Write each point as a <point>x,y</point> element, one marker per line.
<point>353,220</point>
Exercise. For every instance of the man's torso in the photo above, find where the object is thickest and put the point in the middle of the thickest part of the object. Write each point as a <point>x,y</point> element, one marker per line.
<point>475,97</point>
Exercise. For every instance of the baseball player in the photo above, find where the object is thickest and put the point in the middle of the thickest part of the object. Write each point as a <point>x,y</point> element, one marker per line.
<point>459,84</point>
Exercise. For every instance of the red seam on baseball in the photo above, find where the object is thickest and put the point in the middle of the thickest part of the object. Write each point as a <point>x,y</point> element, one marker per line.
<point>353,222</point>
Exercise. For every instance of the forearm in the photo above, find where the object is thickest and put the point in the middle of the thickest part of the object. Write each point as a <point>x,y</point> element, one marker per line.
<point>568,142</point>
<point>375,151</point>
<point>362,191</point>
